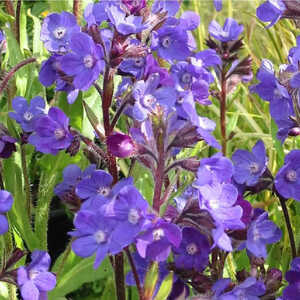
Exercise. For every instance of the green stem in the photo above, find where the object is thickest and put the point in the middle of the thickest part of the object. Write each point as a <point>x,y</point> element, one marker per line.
<point>64,259</point>
<point>223,113</point>
<point>26,181</point>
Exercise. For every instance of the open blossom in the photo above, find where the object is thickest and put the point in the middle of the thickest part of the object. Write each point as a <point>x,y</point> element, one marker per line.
<point>293,278</point>
<point>249,166</point>
<point>230,31</point>
<point>35,280</point>
<point>26,114</point>
<point>6,201</point>
<point>85,62</point>
<point>271,11</point>
<point>193,250</point>
<point>57,30</point>
<point>287,180</point>
<point>158,239</point>
<point>93,232</point>
<point>51,132</point>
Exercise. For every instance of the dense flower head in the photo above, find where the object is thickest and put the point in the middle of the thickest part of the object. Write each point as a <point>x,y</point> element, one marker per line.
<point>7,143</point>
<point>293,278</point>
<point>271,11</point>
<point>158,239</point>
<point>287,180</point>
<point>26,114</point>
<point>85,62</point>
<point>193,250</point>
<point>34,280</point>
<point>51,132</point>
<point>6,201</point>
<point>57,30</point>
<point>249,166</point>
<point>230,31</point>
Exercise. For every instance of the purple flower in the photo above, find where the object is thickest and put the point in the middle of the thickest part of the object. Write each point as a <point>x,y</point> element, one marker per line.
<point>125,25</point>
<point>169,6</point>
<point>287,180</point>
<point>147,96</point>
<point>218,4</point>
<point>94,235</point>
<point>65,190</point>
<point>261,232</point>
<point>250,289</point>
<point>51,72</point>
<point>171,42</point>
<point>95,13</point>
<point>85,62</point>
<point>294,59</point>
<point>157,241</point>
<point>26,114</point>
<point>7,143</point>
<point>120,145</point>
<point>249,166</point>
<point>216,166</point>
<point>293,278</point>
<point>51,132</point>
<point>35,280</point>
<point>129,209</point>
<point>193,250</point>
<point>57,30</point>
<point>271,11</point>
<point>230,31</point>
<point>6,201</point>
<point>98,183</point>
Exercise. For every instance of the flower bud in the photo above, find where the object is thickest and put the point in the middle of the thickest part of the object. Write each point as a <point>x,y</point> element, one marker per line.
<point>120,145</point>
<point>7,143</point>
<point>273,280</point>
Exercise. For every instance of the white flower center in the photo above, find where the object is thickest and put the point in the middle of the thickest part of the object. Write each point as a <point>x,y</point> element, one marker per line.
<point>100,236</point>
<point>291,175</point>
<point>166,42</point>
<point>180,100</point>
<point>186,78</point>
<point>59,133</point>
<point>59,32</point>
<point>254,167</point>
<point>103,191</point>
<point>158,234</point>
<point>133,216</point>
<point>256,234</point>
<point>33,274</point>
<point>149,100</point>
<point>28,116</point>
<point>88,61</point>
<point>191,249</point>
<point>139,62</point>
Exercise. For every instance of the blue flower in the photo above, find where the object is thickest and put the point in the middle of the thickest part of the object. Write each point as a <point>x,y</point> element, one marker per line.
<point>26,114</point>
<point>230,31</point>
<point>249,166</point>
<point>6,201</point>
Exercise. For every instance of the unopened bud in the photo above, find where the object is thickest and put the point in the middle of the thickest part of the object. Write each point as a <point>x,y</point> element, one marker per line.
<point>120,145</point>
<point>294,131</point>
<point>7,143</point>
<point>273,280</point>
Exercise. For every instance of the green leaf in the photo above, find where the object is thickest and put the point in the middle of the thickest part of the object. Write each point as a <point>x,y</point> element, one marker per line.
<point>151,279</point>
<point>78,272</point>
<point>4,17</point>
<point>277,144</point>
<point>165,287</point>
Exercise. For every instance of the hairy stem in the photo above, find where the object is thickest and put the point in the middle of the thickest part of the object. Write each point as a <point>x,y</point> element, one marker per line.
<point>76,9</point>
<point>160,172</point>
<point>9,7</point>
<point>26,181</point>
<point>1,178</point>
<point>18,13</point>
<point>64,259</point>
<point>107,94</point>
<point>288,225</point>
<point>11,73</point>
<point>135,273</point>
<point>223,113</point>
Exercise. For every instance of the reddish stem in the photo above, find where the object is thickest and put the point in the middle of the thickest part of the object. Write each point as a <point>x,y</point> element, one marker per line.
<point>18,13</point>
<point>11,73</point>
<point>223,113</point>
